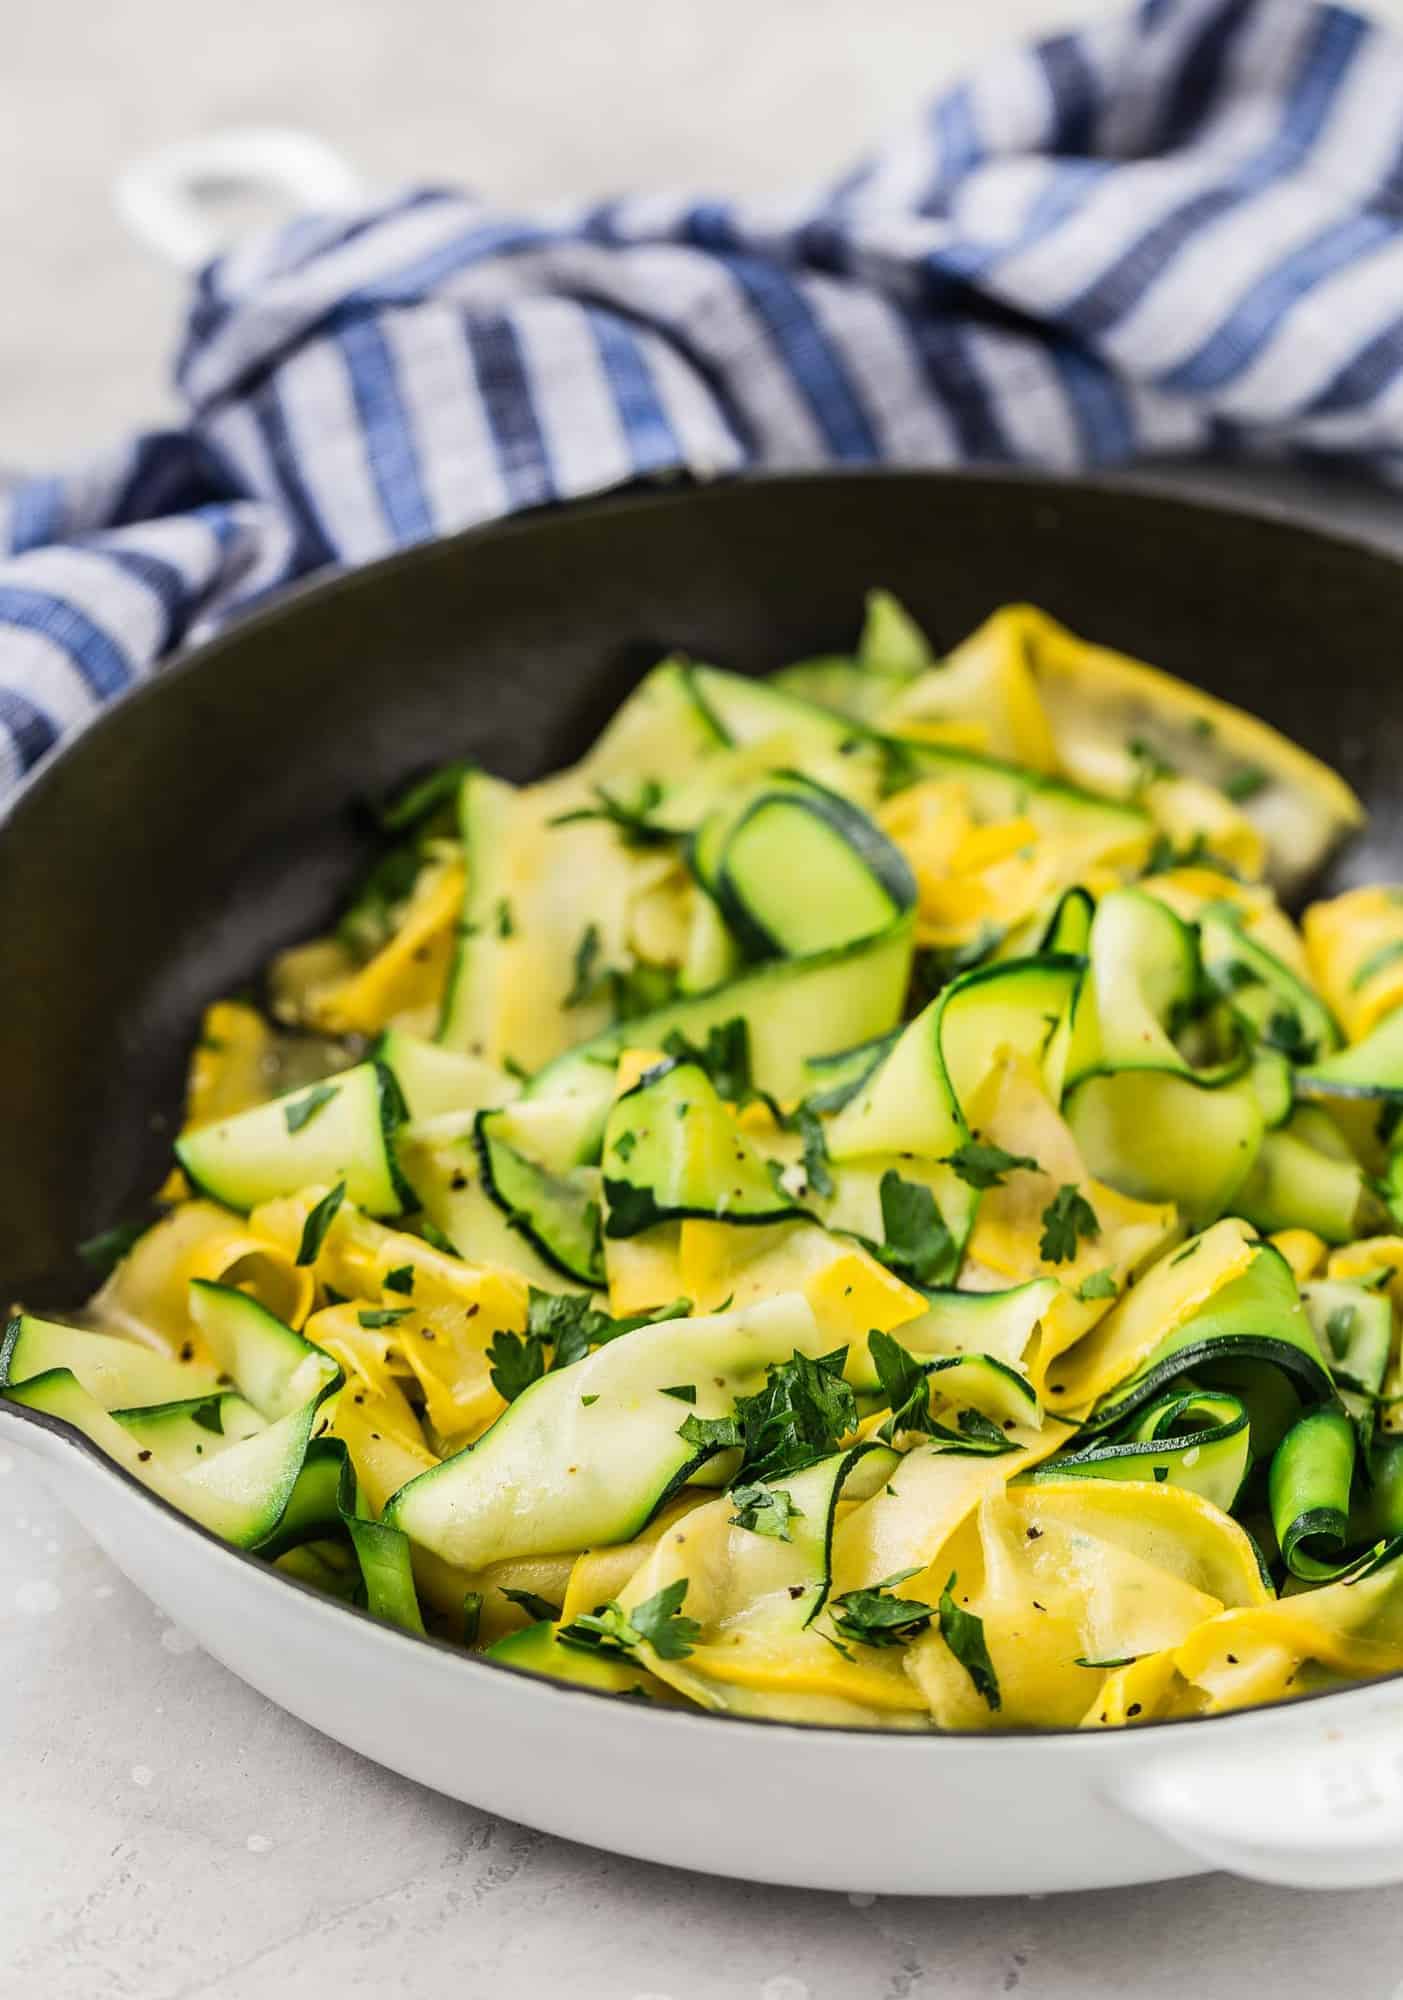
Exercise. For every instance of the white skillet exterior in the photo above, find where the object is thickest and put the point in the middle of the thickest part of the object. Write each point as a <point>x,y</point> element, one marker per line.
<point>1309,1794</point>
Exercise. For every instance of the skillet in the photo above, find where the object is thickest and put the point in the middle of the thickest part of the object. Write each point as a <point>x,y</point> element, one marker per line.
<point>208,820</point>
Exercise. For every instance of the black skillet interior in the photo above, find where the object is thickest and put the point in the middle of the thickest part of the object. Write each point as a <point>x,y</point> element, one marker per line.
<point>207,821</point>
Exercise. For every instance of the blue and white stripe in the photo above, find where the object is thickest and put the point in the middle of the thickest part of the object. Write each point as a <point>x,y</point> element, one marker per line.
<point>1178,228</point>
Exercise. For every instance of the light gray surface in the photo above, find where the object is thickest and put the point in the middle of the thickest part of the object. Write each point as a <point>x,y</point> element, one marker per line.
<point>167,1833</point>
<point>164,1832</point>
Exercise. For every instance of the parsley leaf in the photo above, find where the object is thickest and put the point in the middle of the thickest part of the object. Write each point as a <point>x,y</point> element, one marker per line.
<point>435,1237</point>
<point>725,1057</point>
<point>917,1244</point>
<point>983,1166</point>
<point>765,1510</point>
<point>1098,1285</point>
<point>1245,784</point>
<point>572,1326</point>
<point>304,1109</point>
<point>586,980</point>
<point>421,796</point>
<point>905,1384</point>
<point>105,1251</point>
<point>631,821</point>
<point>401,1280</point>
<point>1285,1033</point>
<point>656,1622</point>
<point>876,1618</point>
<point>1229,976</point>
<point>1151,764</point>
<point>801,1414</point>
<point>1067,1216</point>
<point>535,1607</point>
<point>984,1432</point>
<point>963,1633</point>
<point>515,1361</point>
<point>804,1410</point>
<point>711,1433</point>
<point>318,1222</point>
<point>805,1120</point>
<point>1376,962</point>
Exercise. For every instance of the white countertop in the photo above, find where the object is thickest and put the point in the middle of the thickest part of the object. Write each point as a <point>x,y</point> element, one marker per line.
<point>165,1833</point>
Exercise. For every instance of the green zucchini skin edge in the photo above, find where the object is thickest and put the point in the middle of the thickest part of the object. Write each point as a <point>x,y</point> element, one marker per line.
<point>1280,1354</point>
<point>593,1274</point>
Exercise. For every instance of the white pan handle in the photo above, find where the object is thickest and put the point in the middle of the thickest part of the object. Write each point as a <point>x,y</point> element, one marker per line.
<point>1325,1812</point>
<point>166,198</point>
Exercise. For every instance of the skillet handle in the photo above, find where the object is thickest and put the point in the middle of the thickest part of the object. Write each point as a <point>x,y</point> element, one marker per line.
<point>1325,1812</point>
<point>169,199</point>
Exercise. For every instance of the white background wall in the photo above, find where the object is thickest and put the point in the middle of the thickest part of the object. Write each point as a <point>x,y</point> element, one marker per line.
<point>523,99</point>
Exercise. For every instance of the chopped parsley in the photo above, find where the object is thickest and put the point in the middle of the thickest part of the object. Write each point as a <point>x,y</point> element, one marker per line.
<point>378,1316</point>
<point>657,1622</point>
<point>506,926</point>
<point>570,1326</point>
<point>303,1110</point>
<point>421,797</point>
<point>1244,784</point>
<point>1375,963</point>
<point>631,821</point>
<point>515,1361</point>
<point>963,1633</point>
<point>105,1251</point>
<point>1285,1033</point>
<point>624,1144</point>
<point>1107,1666</point>
<point>401,1279</point>
<point>1098,1285</point>
<point>983,1433</point>
<point>724,1056</point>
<point>906,1384</point>
<point>586,980</point>
<point>874,1617</point>
<point>916,1242</point>
<point>318,1222</point>
<point>1229,976</point>
<point>805,1120</point>
<point>802,1413</point>
<point>765,1510</point>
<point>535,1607</point>
<point>1068,1216</point>
<point>684,1392</point>
<point>435,1237</point>
<point>472,1616</point>
<point>1150,763</point>
<point>984,1166</point>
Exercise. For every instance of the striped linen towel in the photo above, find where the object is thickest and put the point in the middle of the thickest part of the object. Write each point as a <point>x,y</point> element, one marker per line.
<point>1182,229</point>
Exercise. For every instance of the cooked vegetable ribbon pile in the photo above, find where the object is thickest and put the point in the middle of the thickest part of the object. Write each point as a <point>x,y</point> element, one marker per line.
<point>854,1203</point>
